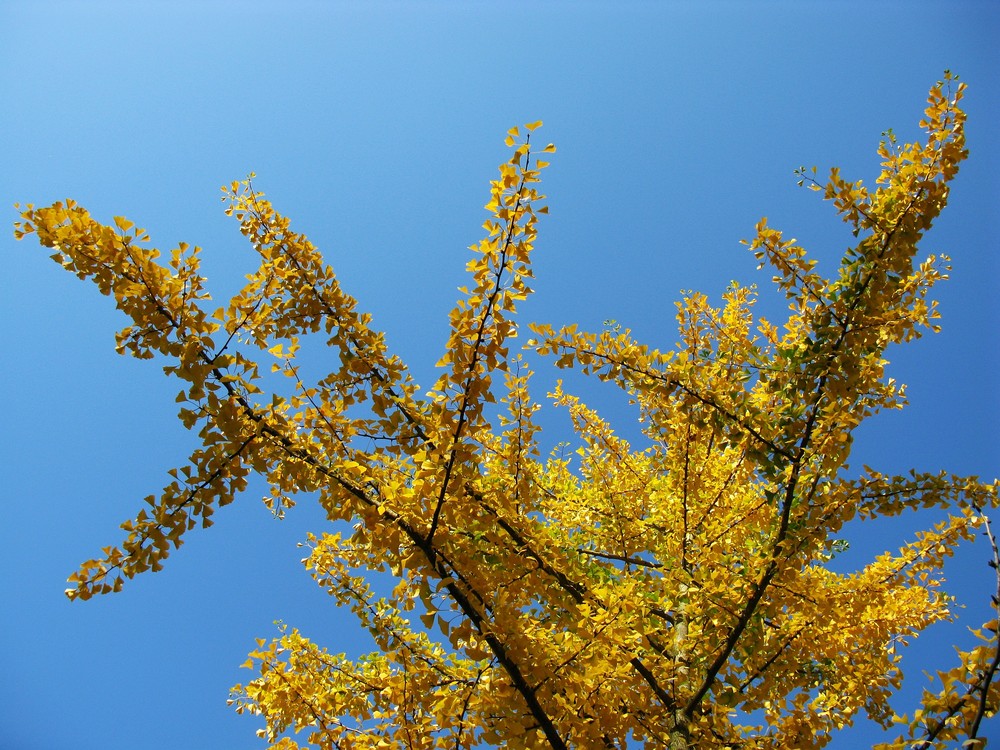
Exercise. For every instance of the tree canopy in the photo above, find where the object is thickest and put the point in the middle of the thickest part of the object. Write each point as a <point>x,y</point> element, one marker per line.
<point>673,594</point>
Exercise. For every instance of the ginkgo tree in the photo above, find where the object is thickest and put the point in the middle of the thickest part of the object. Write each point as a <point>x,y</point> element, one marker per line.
<point>673,594</point>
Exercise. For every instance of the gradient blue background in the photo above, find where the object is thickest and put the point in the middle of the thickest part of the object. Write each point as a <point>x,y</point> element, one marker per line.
<point>376,127</point>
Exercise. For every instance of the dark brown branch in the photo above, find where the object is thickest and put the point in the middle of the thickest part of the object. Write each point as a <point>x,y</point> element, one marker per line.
<point>470,372</point>
<point>980,689</point>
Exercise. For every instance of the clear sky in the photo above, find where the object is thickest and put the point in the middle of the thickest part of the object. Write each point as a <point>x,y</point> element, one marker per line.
<point>376,126</point>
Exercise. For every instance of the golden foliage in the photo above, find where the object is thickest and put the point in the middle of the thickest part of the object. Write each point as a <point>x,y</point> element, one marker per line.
<point>678,595</point>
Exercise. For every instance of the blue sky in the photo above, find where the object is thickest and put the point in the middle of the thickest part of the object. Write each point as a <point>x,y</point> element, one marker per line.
<point>376,127</point>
